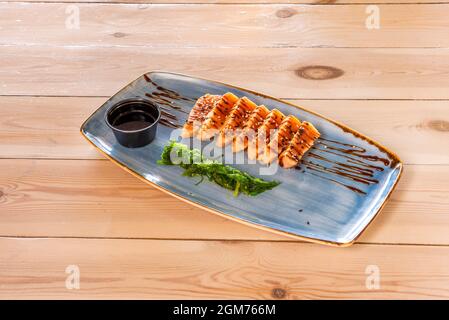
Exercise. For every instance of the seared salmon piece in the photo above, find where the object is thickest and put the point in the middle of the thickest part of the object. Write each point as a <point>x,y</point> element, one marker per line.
<point>301,142</point>
<point>271,122</point>
<point>311,130</point>
<point>235,120</point>
<point>280,140</point>
<point>255,120</point>
<point>198,113</point>
<point>268,135</point>
<point>216,117</point>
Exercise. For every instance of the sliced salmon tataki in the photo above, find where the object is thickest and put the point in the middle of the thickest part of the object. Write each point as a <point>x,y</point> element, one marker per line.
<point>301,142</point>
<point>280,140</point>
<point>311,130</point>
<point>235,121</point>
<point>215,119</point>
<point>249,132</point>
<point>271,122</point>
<point>198,113</point>
<point>267,135</point>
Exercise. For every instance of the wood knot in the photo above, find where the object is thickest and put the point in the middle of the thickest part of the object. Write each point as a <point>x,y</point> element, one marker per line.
<point>1,193</point>
<point>438,125</point>
<point>278,293</point>
<point>119,34</point>
<point>319,72</point>
<point>286,13</point>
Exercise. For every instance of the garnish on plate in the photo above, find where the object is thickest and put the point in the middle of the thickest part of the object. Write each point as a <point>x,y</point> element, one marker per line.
<point>194,164</point>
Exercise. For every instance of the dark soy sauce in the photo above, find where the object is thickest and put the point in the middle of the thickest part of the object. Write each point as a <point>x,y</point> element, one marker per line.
<point>133,125</point>
<point>134,120</point>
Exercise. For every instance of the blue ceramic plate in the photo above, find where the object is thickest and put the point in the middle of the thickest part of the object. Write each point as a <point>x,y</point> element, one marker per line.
<point>337,190</point>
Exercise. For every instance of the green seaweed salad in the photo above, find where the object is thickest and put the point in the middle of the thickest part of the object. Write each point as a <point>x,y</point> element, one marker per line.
<point>194,164</point>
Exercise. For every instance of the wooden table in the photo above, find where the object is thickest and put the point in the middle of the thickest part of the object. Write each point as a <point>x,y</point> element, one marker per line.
<point>64,208</point>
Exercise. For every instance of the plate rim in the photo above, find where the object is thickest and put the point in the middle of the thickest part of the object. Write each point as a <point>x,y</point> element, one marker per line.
<point>393,155</point>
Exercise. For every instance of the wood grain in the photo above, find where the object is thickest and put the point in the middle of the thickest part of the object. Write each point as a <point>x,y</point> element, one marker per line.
<point>85,198</point>
<point>368,73</point>
<point>316,2</point>
<point>211,269</point>
<point>208,26</point>
<point>48,127</point>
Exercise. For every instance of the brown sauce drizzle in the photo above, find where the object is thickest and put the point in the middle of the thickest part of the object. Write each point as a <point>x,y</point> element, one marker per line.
<point>352,160</point>
<point>162,101</point>
<point>164,98</point>
<point>169,123</point>
<point>352,150</point>
<point>357,190</point>
<point>338,171</point>
<point>345,167</point>
<point>166,93</point>
<point>356,167</point>
<point>168,115</point>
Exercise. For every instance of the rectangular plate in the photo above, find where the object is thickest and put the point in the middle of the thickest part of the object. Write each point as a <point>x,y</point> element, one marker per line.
<point>333,195</point>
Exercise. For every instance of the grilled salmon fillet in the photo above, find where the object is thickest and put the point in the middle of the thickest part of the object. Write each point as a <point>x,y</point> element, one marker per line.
<point>235,121</point>
<point>301,142</point>
<point>249,132</point>
<point>280,140</point>
<point>216,117</point>
<point>198,113</point>
<point>267,135</point>
<point>271,122</point>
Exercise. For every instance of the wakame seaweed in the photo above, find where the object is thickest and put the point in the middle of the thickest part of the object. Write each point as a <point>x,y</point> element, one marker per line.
<point>194,164</point>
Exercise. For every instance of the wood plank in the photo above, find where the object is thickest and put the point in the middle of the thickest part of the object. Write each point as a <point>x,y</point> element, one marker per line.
<point>164,25</point>
<point>286,73</point>
<point>48,127</point>
<point>85,198</point>
<point>316,2</point>
<point>35,268</point>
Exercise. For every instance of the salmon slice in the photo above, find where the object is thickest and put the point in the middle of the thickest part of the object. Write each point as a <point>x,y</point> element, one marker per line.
<point>255,120</point>
<point>281,139</point>
<point>301,142</point>
<point>198,113</point>
<point>271,122</point>
<point>250,127</point>
<point>217,116</point>
<point>236,120</point>
<point>311,130</point>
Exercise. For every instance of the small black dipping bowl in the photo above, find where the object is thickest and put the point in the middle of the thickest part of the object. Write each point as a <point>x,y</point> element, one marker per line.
<point>133,121</point>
